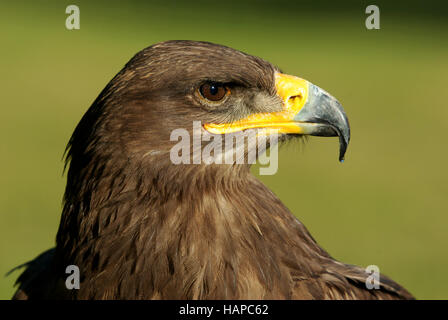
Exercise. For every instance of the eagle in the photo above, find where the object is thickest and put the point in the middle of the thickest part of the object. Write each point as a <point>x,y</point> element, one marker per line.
<point>139,226</point>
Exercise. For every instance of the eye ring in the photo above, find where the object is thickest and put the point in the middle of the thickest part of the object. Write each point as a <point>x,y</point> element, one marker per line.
<point>213,91</point>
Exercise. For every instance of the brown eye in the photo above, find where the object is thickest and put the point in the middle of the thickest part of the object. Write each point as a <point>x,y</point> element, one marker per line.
<point>213,91</point>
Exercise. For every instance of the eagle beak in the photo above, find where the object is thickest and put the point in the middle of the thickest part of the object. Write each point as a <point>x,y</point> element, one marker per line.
<point>316,112</point>
<point>307,110</point>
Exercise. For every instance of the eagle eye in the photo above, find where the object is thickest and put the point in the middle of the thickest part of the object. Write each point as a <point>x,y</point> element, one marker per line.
<point>214,91</point>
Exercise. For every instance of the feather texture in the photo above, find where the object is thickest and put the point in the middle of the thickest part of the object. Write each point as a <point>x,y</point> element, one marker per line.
<point>139,227</point>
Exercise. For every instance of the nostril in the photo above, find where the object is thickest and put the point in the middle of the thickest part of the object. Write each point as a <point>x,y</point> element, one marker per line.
<point>295,97</point>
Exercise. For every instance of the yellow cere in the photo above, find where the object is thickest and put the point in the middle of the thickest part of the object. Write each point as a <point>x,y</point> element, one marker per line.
<point>292,90</point>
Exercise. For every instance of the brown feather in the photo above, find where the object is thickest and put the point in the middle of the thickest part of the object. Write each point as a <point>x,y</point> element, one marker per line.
<point>139,227</point>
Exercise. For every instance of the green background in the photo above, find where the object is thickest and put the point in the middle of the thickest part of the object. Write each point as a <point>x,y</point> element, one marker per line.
<point>386,205</point>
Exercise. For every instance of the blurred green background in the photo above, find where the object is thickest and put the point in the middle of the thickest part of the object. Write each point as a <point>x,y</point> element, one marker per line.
<point>386,205</point>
